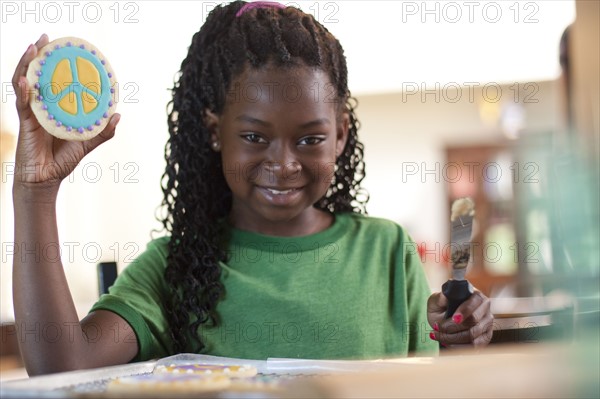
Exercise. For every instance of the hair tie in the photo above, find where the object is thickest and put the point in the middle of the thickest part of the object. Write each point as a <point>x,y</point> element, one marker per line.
<point>258,4</point>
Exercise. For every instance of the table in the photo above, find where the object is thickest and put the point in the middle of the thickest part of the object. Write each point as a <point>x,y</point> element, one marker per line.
<point>562,370</point>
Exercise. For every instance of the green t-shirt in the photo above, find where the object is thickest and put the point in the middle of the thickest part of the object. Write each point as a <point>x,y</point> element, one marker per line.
<point>356,290</point>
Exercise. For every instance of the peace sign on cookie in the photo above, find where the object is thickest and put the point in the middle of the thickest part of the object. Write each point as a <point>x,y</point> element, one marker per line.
<point>43,159</point>
<point>75,89</point>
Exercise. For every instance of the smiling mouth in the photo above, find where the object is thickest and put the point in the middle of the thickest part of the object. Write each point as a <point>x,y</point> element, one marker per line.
<point>281,192</point>
<point>280,196</point>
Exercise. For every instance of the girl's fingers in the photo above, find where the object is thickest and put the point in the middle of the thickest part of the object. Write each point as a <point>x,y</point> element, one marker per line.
<point>475,329</point>
<point>472,310</point>
<point>21,69</point>
<point>26,58</point>
<point>486,337</point>
<point>107,134</point>
<point>42,41</point>
<point>22,92</point>
<point>454,338</point>
<point>437,302</point>
<point>19,81</point>
<point>436,307</point>
<point>480,309</point>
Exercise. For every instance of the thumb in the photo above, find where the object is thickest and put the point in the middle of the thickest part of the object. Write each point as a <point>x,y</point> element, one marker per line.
<point>106,134</point>
<point>437,303</point>
<point>436,308</point>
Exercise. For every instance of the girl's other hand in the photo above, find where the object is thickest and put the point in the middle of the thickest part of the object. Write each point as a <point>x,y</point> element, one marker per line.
<point>471,324</point>
<point>41,157</point>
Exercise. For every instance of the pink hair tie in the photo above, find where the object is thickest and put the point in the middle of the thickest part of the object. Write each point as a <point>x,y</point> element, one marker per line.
<point>258,4</point>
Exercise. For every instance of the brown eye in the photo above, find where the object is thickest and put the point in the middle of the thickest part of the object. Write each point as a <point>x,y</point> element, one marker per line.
<point>253,138</point>
<point>310,140</point>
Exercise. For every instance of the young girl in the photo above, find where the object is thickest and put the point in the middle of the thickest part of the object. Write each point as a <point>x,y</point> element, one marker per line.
<point>269,253</point>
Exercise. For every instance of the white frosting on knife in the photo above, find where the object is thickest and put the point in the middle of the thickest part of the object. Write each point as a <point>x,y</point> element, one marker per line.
<point>462,207</point>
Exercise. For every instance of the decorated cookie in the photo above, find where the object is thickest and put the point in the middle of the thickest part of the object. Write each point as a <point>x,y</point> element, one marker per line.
<point>168,383</point>
<point>74,89</point>
<point>208,369</point>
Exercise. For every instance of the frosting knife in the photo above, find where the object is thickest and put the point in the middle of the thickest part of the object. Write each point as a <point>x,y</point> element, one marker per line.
<point>458,289</point>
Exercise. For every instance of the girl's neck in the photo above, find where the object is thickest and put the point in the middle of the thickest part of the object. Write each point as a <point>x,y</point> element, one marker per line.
<point>312,221</point>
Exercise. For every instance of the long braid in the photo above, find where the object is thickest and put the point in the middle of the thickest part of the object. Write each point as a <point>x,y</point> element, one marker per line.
<point>195,193</point>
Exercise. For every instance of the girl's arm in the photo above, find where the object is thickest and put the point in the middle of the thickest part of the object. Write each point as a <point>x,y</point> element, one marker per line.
<point>51,338</point>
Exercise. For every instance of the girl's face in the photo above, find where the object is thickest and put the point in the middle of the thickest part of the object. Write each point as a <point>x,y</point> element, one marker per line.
<point>279,135</point>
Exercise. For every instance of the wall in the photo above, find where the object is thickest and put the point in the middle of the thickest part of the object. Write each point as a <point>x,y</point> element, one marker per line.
<point>402,132</point>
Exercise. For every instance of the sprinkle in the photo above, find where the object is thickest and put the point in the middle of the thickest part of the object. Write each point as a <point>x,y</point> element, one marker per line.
<point>42,62</point>
<point>69,128</point>
<point>112,89</point>
<point>39,73</point>
<point>69,45</point>
<point>40,98</point>
<point>57,47</point>
<point>98,123</point>
<point>110,103</point>
<point>44,107</point>
<point>105,115</point>
<point>110,75</point>
<point>103,62</point>
<point>80,130</point>
<point>48,53</point>
<point>90,128</point>
<point>58,123</point>
<point>50,116</point>
<point>82,46</point>
<point>94,52</point>
<point>36,85</point>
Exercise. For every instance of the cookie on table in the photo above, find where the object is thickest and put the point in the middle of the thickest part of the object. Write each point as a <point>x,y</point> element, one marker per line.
<point>167,383</point>
<point>74,89</point>
<point>238,371</point>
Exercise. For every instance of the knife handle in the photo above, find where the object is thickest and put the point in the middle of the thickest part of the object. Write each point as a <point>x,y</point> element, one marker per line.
<point>457,291</point>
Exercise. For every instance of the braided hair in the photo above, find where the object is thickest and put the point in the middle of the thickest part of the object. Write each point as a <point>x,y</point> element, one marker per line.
<point>196,195</point>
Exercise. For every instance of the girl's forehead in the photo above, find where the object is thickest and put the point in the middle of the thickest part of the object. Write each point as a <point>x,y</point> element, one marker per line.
<point>271,74</point>
<point>285,89</point>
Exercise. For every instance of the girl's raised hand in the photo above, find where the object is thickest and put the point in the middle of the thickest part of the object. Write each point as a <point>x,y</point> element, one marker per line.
<point>471,324</point>
<point>41,157</point>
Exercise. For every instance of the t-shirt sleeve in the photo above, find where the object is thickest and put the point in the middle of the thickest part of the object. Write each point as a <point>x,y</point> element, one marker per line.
<point>138,296</point>
<point>417,293</point>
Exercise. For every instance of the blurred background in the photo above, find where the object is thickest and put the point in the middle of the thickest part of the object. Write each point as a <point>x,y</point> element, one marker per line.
<point>494,100</point>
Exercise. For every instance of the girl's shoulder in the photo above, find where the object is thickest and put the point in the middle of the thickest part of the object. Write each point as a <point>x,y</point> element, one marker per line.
<point>159,245</point>
<point>153,256</point>
<point>373,226</point>
<point>370,222</point>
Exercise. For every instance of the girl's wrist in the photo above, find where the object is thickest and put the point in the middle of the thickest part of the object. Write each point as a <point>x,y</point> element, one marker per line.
<point>40,193</point>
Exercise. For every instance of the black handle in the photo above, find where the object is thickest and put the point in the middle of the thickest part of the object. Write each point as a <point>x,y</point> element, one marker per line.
<point>457,291</point>
<point>107,274</point>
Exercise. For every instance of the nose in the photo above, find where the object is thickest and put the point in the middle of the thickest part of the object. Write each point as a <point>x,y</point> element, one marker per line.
<point>281,164</point>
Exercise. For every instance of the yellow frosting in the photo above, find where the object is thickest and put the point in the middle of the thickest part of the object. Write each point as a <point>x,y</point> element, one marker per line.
<point>62,77</point>
<point>88,75</point>
<point>89,102</point>
<point>69,103</point>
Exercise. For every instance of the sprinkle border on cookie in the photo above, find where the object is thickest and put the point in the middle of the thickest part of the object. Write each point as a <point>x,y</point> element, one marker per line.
<point>75,89</point>
<point>207,369</point>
